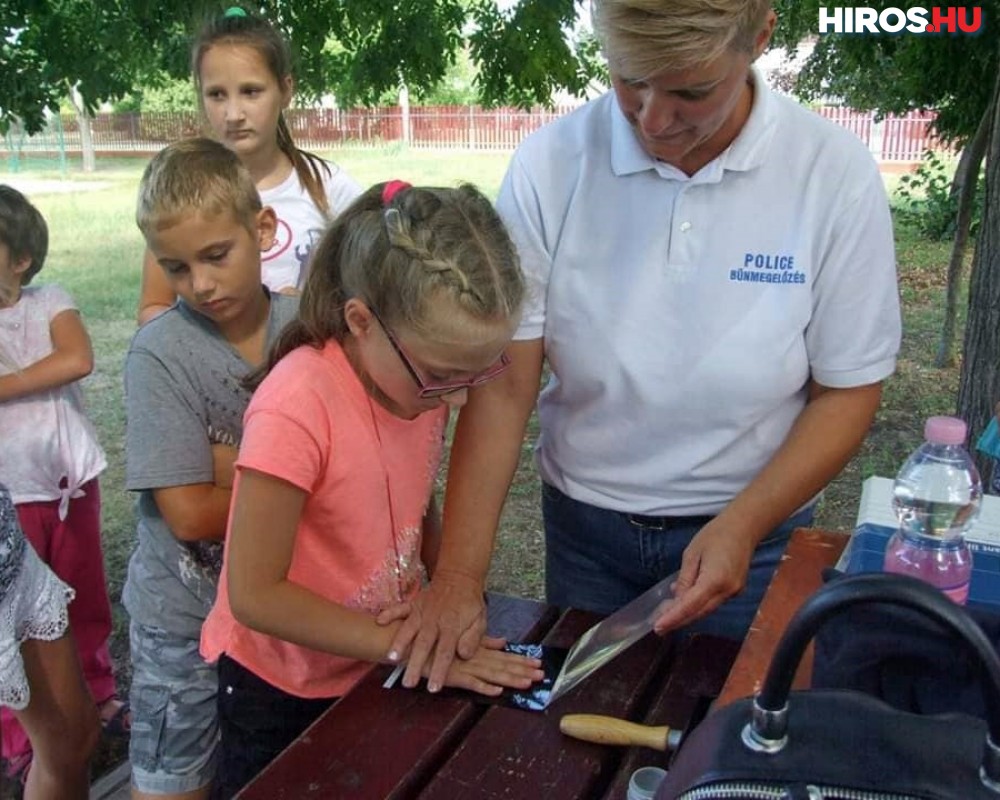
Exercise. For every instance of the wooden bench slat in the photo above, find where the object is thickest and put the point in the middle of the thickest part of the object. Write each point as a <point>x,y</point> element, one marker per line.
<point>696,675</point>
<point>388,748</point>
<point>515,754</point>
<point>799,575</point>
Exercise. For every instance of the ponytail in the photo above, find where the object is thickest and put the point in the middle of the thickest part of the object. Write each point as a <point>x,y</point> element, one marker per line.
<point>237,26</point>
<point>399,251</point>
<point>311,169</point>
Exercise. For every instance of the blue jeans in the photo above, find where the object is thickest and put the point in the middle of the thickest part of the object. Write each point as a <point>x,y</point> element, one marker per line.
<point>599,560</point>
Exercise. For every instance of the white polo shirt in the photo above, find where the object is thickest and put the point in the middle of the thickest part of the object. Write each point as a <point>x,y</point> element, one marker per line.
<point>683,316</point>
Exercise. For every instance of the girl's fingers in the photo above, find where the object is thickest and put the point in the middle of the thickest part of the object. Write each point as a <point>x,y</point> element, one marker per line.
<point>496,669</point>
<point>480,687</point>
<point>394,613</point>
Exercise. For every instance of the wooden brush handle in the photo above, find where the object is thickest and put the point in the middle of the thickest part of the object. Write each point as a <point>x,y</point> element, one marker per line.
<point>611,730</point>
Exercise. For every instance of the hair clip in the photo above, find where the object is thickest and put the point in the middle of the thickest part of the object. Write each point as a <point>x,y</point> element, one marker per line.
<point>391,189</point>
<point>393,222</point>
<point>235,11</point>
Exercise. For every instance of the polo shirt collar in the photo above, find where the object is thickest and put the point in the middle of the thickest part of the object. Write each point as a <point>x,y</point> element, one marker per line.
<point>627,155</point>
<point>747,151</point>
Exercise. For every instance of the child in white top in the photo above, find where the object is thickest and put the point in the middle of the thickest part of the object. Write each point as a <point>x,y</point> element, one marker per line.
<point>51,455</point>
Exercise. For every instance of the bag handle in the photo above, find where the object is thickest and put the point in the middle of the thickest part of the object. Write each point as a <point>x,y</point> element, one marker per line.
<point>768,729</point>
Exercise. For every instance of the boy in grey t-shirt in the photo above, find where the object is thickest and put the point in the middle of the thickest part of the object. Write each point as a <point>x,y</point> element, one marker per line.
<point>204,224</point>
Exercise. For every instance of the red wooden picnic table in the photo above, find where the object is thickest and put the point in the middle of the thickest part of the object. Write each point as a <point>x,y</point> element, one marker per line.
<point>399,743</point>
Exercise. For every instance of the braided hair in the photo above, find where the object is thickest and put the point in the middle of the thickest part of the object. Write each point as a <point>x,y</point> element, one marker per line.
<point>399,257</point>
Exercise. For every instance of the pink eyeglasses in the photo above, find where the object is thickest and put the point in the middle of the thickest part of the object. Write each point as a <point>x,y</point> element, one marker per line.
<point>429,390</point>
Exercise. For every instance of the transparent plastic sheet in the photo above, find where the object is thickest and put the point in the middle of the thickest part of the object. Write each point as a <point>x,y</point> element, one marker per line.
<point>566,669</point>
<point>612,635</point>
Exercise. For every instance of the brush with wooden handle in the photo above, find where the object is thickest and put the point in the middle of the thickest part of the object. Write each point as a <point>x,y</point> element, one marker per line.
<point>611,730</point>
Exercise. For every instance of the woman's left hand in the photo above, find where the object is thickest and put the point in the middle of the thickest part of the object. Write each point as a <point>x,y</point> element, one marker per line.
<point>713,569</point>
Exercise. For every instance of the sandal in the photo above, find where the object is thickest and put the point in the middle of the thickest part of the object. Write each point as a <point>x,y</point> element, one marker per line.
<point>118,724</point>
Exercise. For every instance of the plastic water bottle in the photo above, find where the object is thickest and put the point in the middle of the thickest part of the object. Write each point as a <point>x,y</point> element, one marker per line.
<point>936,498</point>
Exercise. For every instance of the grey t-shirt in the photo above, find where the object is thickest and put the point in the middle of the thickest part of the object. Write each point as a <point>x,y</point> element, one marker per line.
<point>182,395</point>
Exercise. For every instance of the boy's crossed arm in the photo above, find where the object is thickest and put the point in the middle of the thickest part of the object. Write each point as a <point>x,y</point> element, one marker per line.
<point>200,511</point>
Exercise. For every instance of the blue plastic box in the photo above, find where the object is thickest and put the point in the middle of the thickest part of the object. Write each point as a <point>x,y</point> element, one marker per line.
<point>867,550</point>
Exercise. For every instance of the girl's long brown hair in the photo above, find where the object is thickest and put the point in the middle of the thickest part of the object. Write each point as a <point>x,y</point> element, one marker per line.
<point>252,31</point>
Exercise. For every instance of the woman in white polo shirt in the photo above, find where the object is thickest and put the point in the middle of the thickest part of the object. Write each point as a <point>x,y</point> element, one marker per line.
<point>713,288</point>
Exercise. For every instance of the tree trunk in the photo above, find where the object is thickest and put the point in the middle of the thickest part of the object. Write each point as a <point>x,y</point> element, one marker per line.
<point>83,119</point>
<point>966,181</point>
<point>979,386</point>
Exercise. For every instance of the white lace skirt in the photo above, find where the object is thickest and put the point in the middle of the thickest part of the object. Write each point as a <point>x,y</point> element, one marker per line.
<point>34,608</point>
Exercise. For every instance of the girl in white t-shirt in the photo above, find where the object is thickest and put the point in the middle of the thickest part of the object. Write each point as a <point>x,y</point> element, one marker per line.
<point>242,72</point>
<point>51,458</point>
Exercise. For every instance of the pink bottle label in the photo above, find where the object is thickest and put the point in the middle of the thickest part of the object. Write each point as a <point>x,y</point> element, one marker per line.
<point>958,593</point>
<point>949,575</point>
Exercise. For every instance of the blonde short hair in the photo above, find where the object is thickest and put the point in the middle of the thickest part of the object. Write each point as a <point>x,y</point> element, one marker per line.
<point>641,38</point>
<point>195,176</point>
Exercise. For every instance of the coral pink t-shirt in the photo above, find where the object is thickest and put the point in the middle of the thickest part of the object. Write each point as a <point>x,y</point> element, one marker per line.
<point>312,423</point>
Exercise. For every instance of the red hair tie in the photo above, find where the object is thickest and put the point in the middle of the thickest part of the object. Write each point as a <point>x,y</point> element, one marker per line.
<point>390,190</point>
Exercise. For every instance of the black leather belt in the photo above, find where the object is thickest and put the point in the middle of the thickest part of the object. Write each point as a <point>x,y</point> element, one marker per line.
<point>665,523</point>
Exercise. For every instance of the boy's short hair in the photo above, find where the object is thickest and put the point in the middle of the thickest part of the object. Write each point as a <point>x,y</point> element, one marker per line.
<point>195,175</point>
<point>23,230</point>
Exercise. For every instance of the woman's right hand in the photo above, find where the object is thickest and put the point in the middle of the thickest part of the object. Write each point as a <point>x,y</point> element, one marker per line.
<point>492,669</point>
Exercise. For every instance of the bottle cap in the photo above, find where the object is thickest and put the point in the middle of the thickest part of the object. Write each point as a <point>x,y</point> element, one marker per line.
<point>644,783</point>
<point>945,430</point>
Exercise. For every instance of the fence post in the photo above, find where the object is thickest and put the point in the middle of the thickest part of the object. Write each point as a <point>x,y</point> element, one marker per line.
<point>404,108</point>
<point>876,138</point>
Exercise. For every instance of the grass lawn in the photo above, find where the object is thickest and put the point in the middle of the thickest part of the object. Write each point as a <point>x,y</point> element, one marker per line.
<point>95,254</point>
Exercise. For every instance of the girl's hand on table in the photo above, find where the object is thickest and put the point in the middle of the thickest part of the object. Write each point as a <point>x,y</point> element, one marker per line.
<point>446,619</point>
<point>491,669</point>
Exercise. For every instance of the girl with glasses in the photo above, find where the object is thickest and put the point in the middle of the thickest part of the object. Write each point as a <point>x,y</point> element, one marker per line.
<point>413,296</point>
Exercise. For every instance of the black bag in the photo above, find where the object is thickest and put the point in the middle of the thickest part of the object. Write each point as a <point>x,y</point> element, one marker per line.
<point>828,744</point>
<point>903,657</point>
